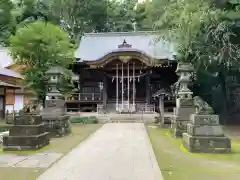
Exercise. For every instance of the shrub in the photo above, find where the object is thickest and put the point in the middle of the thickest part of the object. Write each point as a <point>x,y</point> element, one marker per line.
<point>157,120</point>
<point>84,120</point>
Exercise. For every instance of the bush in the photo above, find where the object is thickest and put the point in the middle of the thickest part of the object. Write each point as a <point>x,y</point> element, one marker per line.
<point>157,120</point>
<point>84,120</point>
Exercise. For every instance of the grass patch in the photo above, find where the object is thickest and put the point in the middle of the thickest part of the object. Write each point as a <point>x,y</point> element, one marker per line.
<point>7,173</point>
<point>57,145</point>
<point>79,133</point>
<point>176,163</point>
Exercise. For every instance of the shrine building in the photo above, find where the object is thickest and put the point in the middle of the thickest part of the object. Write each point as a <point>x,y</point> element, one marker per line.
<point>120,71</point>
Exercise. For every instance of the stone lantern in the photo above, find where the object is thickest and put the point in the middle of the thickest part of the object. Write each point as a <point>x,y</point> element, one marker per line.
<point>184,102</point>
<point>54,74</point>
<point>54,112</point>
<point>184,71</point>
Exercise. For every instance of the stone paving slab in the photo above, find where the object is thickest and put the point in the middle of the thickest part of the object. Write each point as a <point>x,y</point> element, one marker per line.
<point>39,160</point>
<point>10,160</point>
<point>29,161</point>
<point>117,151</point>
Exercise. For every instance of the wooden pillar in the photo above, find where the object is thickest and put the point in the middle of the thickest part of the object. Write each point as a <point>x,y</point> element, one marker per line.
<point>80,81</point>
<point>134,89</point>
<point>105,90</point>
<point>3,102</point>
<point>147,89</point>
<point>80,87</point>
<point>117,106</point>
<point>122,87</point>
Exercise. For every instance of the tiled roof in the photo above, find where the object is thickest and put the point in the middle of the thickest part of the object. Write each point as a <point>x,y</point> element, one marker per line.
<point>4,84</point>
<point>5,58</point>
<point>11,73</point>
<point>94,46</point>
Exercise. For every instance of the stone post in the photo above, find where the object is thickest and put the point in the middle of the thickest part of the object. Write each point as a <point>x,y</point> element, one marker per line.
<point>161,108</point>
<point>184,102</point>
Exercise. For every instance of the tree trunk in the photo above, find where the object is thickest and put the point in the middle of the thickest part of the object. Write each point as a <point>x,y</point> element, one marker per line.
<point>222,77</point>
<point>43,101</point>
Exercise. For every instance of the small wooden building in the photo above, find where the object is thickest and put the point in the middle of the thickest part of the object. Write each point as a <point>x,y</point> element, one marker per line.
<point>3,88</point>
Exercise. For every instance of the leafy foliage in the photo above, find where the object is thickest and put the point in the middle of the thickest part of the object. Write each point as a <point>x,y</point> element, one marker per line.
<point>85,120</point>
<point>206,34</point>
<point>121,15</point>
<point>65,84</point>
<point>78,17</point>
<point>40,46</point>
<point>7,23</point>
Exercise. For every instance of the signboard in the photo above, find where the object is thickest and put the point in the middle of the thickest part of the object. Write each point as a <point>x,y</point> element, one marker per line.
<point>124,59</point>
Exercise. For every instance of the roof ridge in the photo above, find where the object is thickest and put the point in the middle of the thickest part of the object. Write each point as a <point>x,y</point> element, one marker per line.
<point>132,33</point>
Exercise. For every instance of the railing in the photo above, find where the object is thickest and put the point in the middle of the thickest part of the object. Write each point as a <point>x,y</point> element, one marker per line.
<point>142,108</point>
<point>85,97</point>
<point>125,107</point>
<point>146,108</point>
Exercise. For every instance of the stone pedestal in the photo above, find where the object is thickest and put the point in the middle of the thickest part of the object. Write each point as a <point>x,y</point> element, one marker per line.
<point>54,117</point>
<point>27,133</point>
<point>204,134</point>
<point>181,116</point>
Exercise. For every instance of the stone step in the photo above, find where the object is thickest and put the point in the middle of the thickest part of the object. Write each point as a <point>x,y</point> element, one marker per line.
<point>113,117</point>
<point>125,121</point>
<point>109,120</point>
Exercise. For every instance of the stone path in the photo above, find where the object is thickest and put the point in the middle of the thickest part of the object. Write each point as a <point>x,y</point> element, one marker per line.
<point>115,152</point>
<point>42,160</point>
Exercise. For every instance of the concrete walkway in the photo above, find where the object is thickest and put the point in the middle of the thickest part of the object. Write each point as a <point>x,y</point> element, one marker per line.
<point>115,152</point>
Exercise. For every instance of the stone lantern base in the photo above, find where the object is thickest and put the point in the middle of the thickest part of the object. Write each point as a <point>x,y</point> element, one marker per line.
<point>182,113</point>
<point>204,134</point>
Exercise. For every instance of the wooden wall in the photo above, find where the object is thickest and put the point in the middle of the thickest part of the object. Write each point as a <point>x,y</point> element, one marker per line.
<point>10,97</point>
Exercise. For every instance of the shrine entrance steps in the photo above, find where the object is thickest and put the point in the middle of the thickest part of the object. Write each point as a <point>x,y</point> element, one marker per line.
<point>127,118</point>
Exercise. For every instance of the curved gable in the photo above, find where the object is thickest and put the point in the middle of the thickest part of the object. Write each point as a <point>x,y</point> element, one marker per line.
<point>134,54</point>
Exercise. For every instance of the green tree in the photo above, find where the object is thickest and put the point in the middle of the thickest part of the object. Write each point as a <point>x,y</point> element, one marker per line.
<point>206,33</point>
<point>154,10</point>
<point>65,84</point>
<point>38,47</point>
<point>7,23</point>
<point>141,16</point>
<point>121,15</point>
<point>27,11</point>
<point>78,17</point>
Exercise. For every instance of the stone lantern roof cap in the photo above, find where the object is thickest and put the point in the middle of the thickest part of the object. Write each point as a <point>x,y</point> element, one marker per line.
<point>184,67</point>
